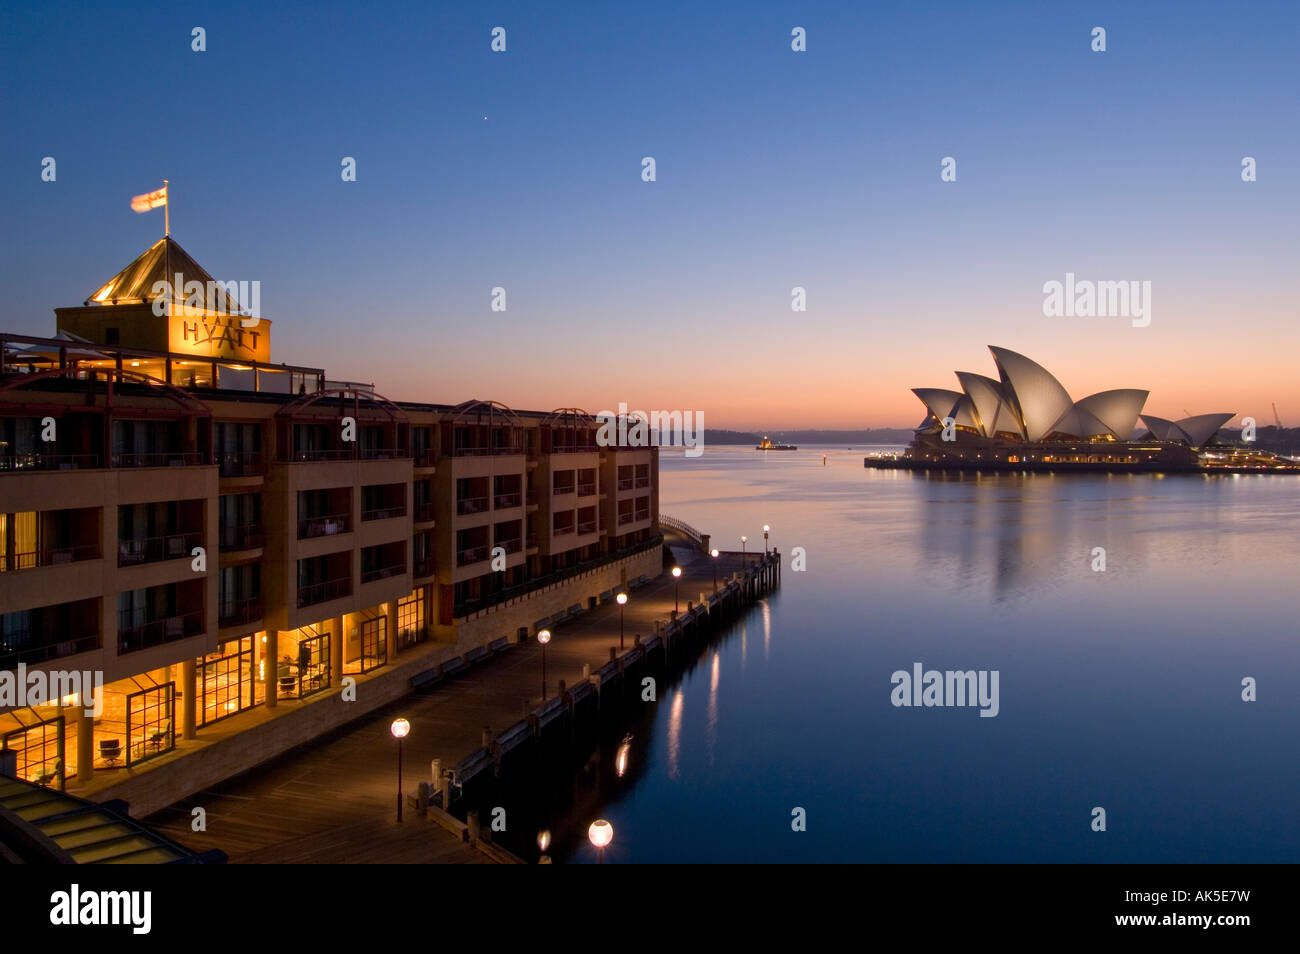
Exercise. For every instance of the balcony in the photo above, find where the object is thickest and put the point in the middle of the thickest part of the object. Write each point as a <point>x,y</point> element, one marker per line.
<point>562,531</point>
<point>587,527</point>
<point>531,498</point>
<point>168,546</point>
<point>161,459</point>
<point>507,501</point>
<point>643,482</point>
<point>241,464</point>
<point>382,453</point>
<point>53,556</point>
<point>423,512</point>
<point>22,462</point>
<point>586,490</point>
<point>625,517</point>
<point>324,592</point>
<point>132,636</point>
<point>50,644</point>
<point>511,546</point>
<point>238,612</point>
<point>531,541</point>
<point>384,513</point>
<point>382,573</point>
<point>469,505</point>
<point>313,454</point>
<point>424,566</point>
<point>626,483</point>
<point>471,555</point>
<point>247,537</point>
<point>643,514</point>
<point>425,458</point>
<point>310,527</point>
<point>562,490</point>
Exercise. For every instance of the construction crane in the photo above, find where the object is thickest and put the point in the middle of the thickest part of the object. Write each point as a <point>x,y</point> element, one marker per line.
<point>1276,420</point>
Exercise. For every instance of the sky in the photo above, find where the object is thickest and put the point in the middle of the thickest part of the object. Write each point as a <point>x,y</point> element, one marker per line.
<point>774,169</point>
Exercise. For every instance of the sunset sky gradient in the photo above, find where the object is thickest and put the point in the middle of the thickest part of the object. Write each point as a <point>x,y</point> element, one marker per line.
<point>775,169</point>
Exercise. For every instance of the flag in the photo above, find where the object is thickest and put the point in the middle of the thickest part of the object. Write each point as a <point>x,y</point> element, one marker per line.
<point>150,200</point>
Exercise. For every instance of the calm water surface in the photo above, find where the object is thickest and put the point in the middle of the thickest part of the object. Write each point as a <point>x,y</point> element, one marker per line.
<point>1119,689</point>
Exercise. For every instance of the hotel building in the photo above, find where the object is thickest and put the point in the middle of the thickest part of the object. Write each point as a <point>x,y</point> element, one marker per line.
<point>228,540</point>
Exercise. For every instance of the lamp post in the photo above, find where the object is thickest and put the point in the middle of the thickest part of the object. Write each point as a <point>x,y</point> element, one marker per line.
<point>766,528</point>
<point>399,728</point>
<point>544,637</point>
<point>743,541</point>
<point>600,834</point>
<point>677,585</point>
<point>714,553</point>
<point>622,601</point>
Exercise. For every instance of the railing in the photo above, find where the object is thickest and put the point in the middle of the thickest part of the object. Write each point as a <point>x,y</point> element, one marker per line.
<point>240,464</point>
<point>425,458</point>
<point>52,556</point>
<point>384,513</point>
<point>681,526</point>
<point>627,517</point>
<point>643,482</point>
<point>382,453</point>
<point>54,644</point>
<point>160,459</point>
<point>235,612</point>
<point>589,447</point>
<point>344,453</point>
<point>247,537</point>
<point>481,451</point>
<point>626,483</point>
<point>466,607</point>
<point>643,514</point>
<point>586,490</point>
<point>323,526</point>
<point>588,527</point>
<point>424,566</point>
<point>471,555</point>
<point>562,531</point>
<point>507,500</point>
<point>423,512</point>
<point>511,546</point>
<point>323,592</point>
<point>468,505</point>
<point>168,546</point>
<point>132,636</point>
<point>48,462</point>
<point>563,489</point>
<point>383,573</point>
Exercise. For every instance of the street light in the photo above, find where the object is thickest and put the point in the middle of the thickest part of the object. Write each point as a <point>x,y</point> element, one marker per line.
<point>714,553</point>
<point>600,834</point>
<point>677,585</point>
<point>766,528</point>
<point>622,601</point>
<point>743,541</point>
<point>400,728</point>
<point>544,637</point>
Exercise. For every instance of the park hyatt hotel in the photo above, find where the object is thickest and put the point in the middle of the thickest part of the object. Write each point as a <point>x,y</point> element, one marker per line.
<point>204,528</point>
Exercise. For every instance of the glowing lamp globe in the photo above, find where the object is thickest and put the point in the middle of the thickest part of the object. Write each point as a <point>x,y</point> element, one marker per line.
<point>601,833</point>
<point>677,571</point>
<point>544,636</point>
<point>400,728</point>
<point>622,599</point>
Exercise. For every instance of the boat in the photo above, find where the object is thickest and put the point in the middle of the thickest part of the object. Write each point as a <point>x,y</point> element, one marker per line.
<point>766,444</point>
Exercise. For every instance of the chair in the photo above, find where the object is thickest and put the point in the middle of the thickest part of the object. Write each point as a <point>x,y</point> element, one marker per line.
<point>45,778</point>
<point>159,738</point>
<point>110,750</point>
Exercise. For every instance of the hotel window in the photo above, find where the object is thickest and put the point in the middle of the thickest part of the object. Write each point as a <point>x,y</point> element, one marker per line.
<point>146,443</point>
<point>40,747</point>
<point>150,729</point>
<point>17,540</point>
<point>227,680</point>
<point>410,620</point>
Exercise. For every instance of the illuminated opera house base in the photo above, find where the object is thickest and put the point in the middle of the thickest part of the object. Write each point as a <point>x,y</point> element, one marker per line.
<point>1025,420</point>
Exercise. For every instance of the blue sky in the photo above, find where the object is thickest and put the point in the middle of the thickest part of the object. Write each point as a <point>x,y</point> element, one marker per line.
<point>774,169</point>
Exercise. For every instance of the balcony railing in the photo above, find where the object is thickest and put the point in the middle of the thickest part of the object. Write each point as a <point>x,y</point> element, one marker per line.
<point>161,459</point>
<point>626,483</point>
<point>507,501</point>
<point>382,453</point>
<point>383,572</point>
<point>425,458</point>
<point>424,566</point>
<point>562,489</point>
<point>384,513</point>
<point>562,531</point>
<point>323,592</point>
<point>482,451</point>
<point>471,555</point>
<point>236,612</point>
<point>133,635</point>
<point>587,527</point>
<point>168,546</point>
<point>323,526</point>
<point>511,546</point>
<point>626,517</point>
<point>581,447</point>
<point>10,462</point>
<point>468,505</point>
<point>423,512</point>
<point>643,515</point>
<point>586,490</point>
<point>300,455</point>
<point>50,644</point>
<point>247,537</point>
<point>52,556</point>
<point>643,482</point>
<point>240,463</point>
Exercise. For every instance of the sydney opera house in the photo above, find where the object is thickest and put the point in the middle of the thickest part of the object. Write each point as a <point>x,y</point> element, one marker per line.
<point>1025,419</point>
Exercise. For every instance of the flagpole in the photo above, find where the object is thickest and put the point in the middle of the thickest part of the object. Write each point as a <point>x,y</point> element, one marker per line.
<point>167,210</point>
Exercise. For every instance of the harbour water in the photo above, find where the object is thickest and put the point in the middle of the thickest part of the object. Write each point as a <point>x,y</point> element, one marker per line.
<point>1119,689</point>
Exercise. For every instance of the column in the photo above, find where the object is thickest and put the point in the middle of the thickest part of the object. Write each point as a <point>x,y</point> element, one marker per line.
<point>85,747</point>
<point>391,629</point>
<point>337,643</point>
<point>189,698</point>
<point>271,667</point>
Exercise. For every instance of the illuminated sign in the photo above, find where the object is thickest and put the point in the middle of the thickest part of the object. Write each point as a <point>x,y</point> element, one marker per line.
<point>220,336</point>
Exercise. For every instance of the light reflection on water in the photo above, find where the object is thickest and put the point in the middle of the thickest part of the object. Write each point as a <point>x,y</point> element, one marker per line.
<point>1120,689</point>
